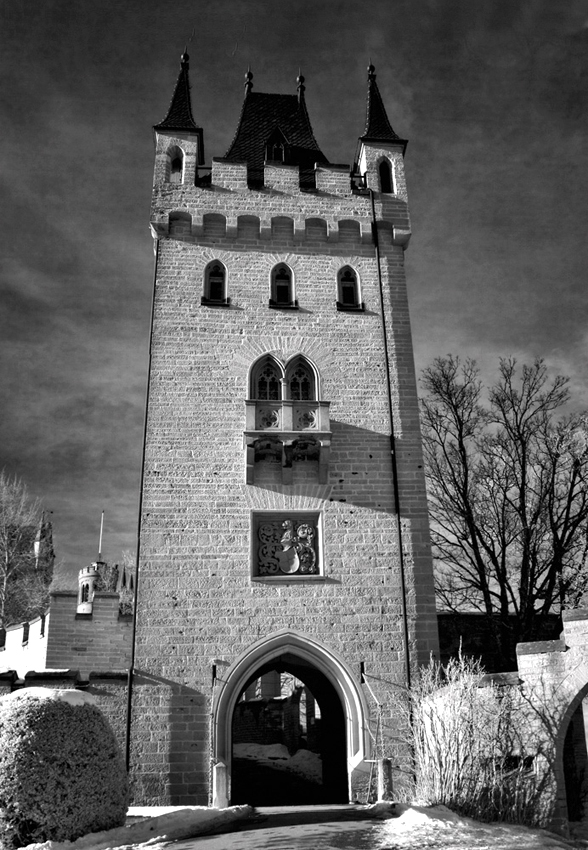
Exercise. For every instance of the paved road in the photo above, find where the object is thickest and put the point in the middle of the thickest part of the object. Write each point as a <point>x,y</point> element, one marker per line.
<point>355,835</point>
<point>329,830</point>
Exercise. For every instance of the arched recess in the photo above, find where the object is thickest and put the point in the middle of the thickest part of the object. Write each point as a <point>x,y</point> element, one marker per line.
<point>283,228</point>
<point>289,648</point>
<point>349,231</point>
<point>571,694</point>
<point>248,227</point>
<point>214,225</point>
<point>180,223</point>
<point>316,229</point>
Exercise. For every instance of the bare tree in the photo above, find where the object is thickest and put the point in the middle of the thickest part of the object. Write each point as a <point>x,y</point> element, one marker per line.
<point>508,495</point>
<point>26,553</point>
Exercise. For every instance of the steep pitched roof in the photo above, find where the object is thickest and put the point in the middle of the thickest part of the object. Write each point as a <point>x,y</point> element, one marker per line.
<point>264,114</point>
<point>377,126</point>
<point>179,114</point>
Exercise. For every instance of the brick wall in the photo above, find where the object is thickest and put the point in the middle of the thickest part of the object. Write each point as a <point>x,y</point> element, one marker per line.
<point>101,640</point>
<point>197,604</point>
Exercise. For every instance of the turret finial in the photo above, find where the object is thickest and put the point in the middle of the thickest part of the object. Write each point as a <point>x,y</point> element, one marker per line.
<point>185,59</point>
<point>371,71</point>
<point>248,80</point>
<point>301,87</point>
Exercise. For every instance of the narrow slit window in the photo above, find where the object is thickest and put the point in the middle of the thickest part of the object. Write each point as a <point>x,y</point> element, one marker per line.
<point>385,177</point>
<point>176,169</point>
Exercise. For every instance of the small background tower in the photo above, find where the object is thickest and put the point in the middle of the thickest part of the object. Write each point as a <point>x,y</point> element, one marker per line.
<point>87,580</point>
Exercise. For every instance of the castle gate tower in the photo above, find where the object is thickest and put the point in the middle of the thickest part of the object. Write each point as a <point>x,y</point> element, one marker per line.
<point>285,587</point>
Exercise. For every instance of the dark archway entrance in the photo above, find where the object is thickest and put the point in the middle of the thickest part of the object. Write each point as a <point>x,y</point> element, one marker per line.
<point>289,737</point>
<point>575,764</point>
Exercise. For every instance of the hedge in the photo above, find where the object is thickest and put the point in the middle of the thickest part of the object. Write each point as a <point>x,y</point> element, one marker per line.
<point>61,772</point>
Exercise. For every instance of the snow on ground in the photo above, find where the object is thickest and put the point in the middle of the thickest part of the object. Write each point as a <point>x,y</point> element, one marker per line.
<point>415,828</point>
<point>304,762</point>
<point>418,827</point>
<point>73,697</point>
<point>169,824</point>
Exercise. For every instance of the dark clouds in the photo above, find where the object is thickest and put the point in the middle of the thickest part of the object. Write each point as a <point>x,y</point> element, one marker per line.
<point>493,97</point>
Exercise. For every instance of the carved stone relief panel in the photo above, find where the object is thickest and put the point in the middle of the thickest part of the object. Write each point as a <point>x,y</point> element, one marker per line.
<point>286,544</point>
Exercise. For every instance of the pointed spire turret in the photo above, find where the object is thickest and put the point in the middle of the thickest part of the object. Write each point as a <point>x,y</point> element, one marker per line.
<point>179,114</point>
<point>377,125</point>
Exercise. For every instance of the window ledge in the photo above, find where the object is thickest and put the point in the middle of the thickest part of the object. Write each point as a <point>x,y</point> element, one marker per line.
<point>350,308</point>
<point>290,579</point>
<point>208,302</point>
<point>278,305</point>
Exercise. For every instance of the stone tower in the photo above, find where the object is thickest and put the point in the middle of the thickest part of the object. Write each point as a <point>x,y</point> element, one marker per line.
<point>284,534</point>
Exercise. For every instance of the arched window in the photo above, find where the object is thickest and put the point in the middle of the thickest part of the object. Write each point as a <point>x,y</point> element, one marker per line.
<point>85,592</point>
<point>385,172</point>
<point>276,148</point>
<point>348,290</point>
<point>175,172</point>
<point>300,380</point>
<point>282,288</point>
<point>175,157</point>
<point>266,380</point>
<point>215,285</point>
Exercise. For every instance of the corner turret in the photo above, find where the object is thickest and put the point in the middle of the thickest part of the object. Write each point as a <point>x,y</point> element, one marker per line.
<point>179,141</point>
<point>381,150</point>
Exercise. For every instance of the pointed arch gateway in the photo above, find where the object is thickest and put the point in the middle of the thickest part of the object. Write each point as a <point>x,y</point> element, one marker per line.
<point>344,713</point>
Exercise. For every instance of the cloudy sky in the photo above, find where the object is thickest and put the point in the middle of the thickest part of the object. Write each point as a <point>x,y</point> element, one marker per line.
<point>492,95</point>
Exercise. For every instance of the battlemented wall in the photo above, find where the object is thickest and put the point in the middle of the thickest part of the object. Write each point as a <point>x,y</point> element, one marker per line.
<point>24,645</point>
<point>198,604</point>
<point>100,640</point>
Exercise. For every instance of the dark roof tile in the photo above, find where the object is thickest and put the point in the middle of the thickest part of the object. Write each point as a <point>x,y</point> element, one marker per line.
<point>261,116</point>
<point>179,114</point>
<point>377,126</point>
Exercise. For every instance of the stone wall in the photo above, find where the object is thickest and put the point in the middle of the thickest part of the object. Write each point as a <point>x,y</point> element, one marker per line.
<point>101,640</point>
<point>198,604</point>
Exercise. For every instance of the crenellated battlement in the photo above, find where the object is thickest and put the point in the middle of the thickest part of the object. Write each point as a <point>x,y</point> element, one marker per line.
<point>23,646</point>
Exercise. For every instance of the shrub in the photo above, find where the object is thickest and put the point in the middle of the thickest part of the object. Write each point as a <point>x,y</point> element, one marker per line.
<point>467,744</point>
<point>61,772</point>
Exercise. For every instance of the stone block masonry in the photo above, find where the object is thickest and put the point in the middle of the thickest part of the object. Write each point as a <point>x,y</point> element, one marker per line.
<point>208,623</point>
<point>101,640</point>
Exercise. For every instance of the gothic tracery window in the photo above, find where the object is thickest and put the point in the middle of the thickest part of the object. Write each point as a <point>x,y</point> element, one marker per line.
<point>267,381</point>
<point>300,382</point>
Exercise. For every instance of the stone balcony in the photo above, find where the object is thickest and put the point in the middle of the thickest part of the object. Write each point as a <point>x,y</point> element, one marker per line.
<point>292,427</point>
